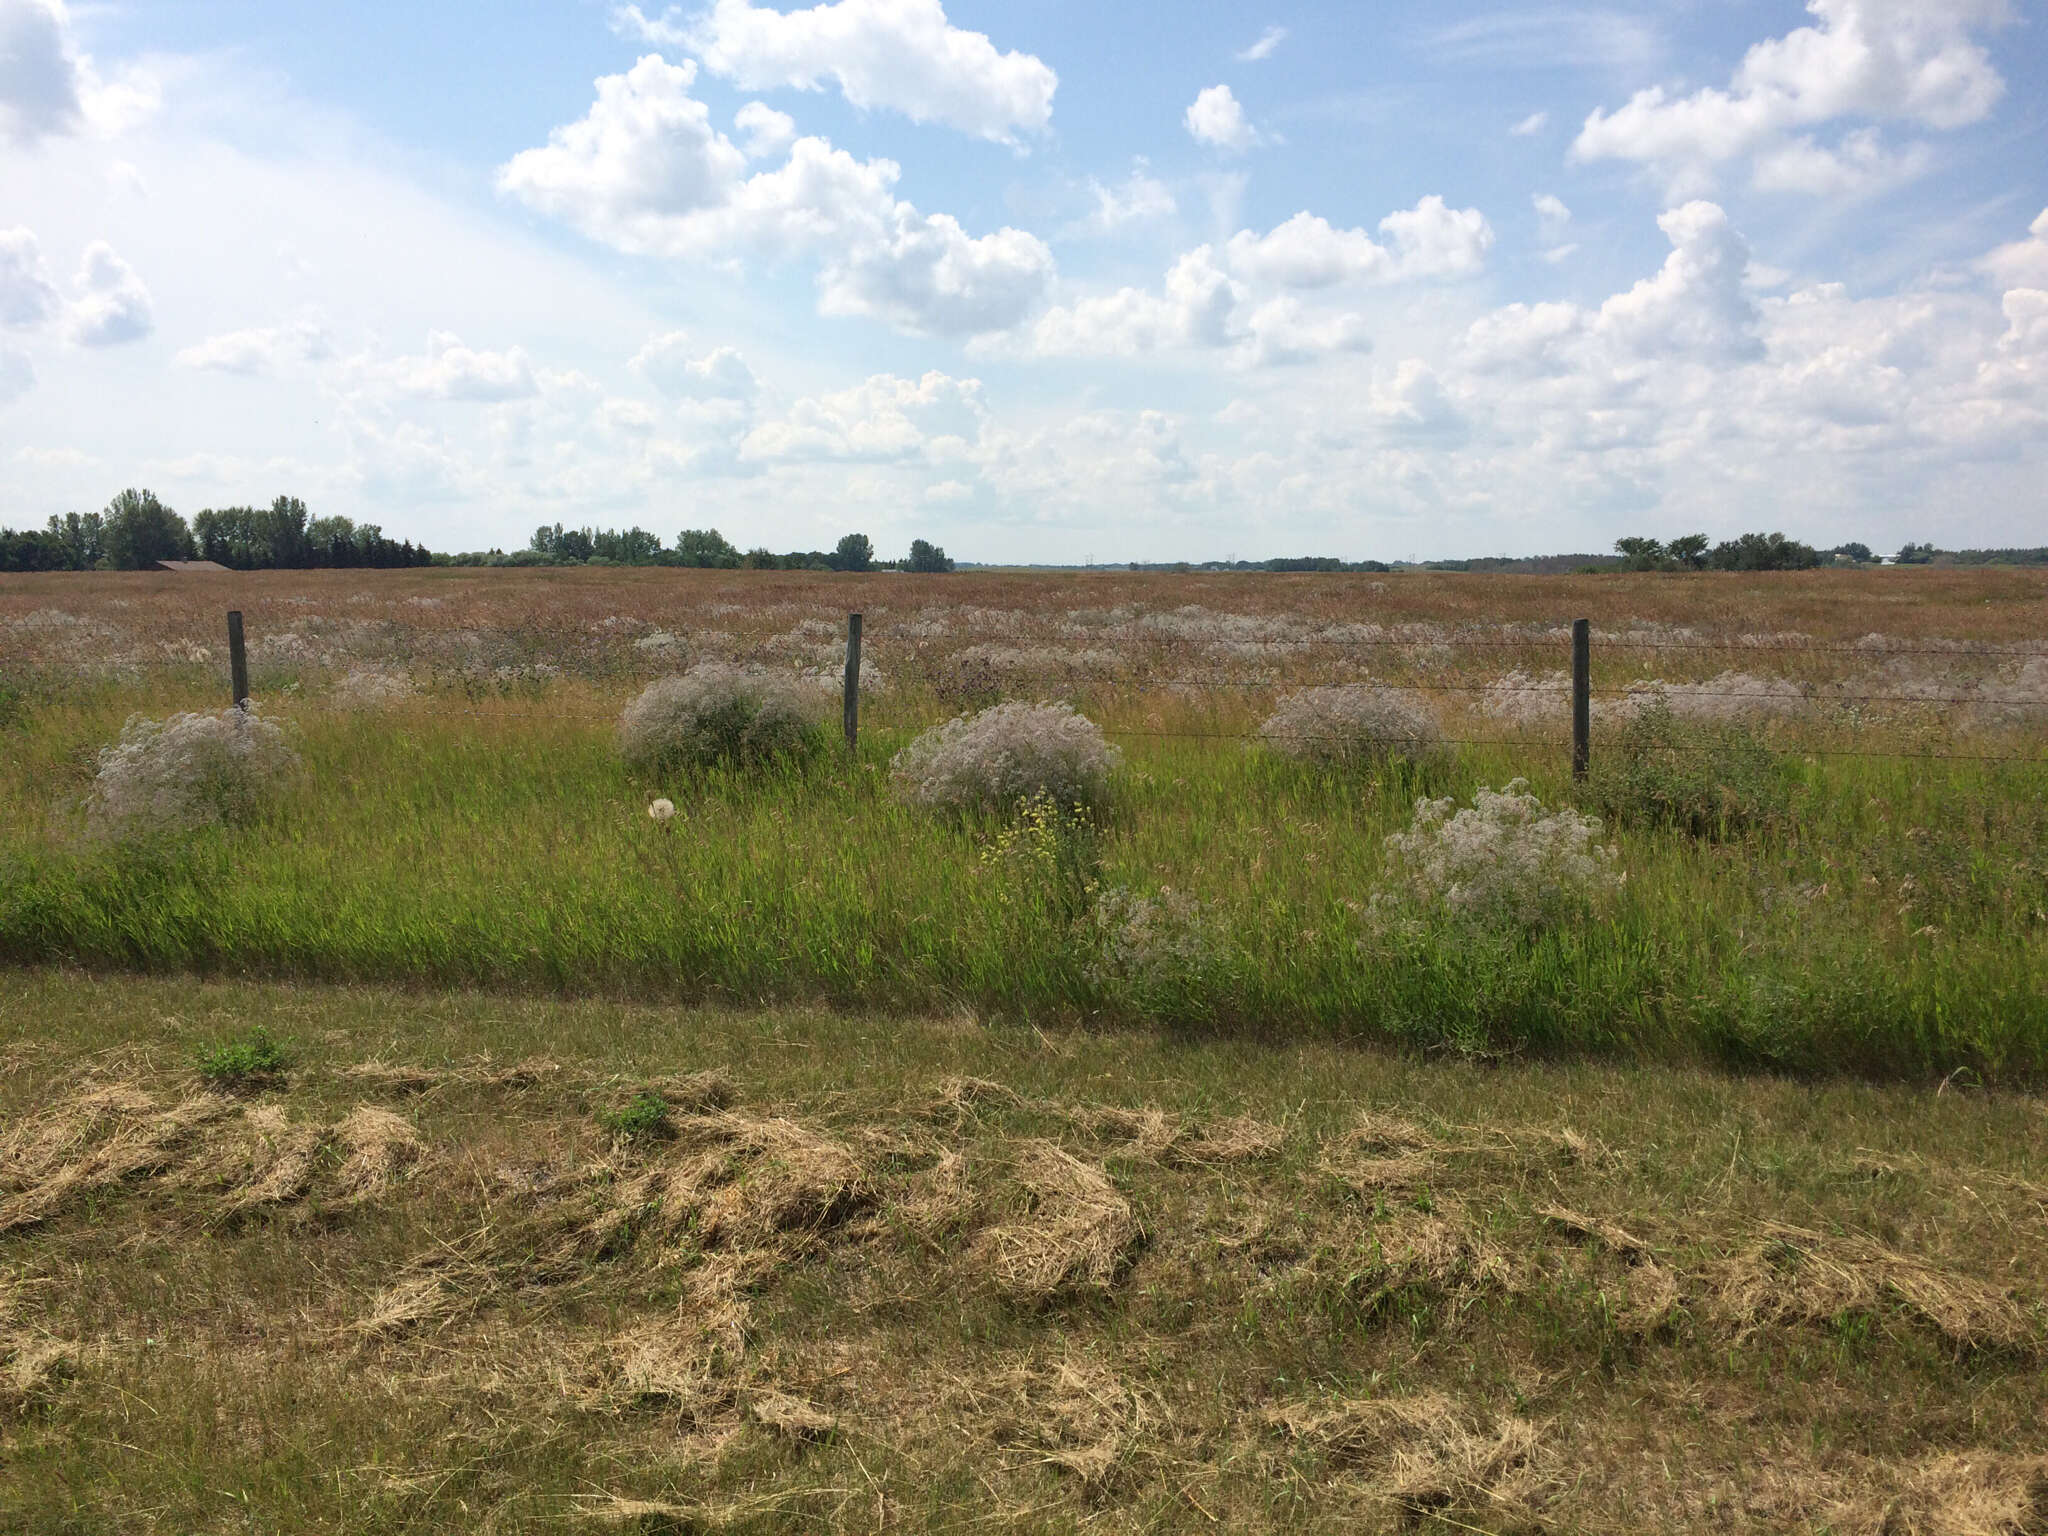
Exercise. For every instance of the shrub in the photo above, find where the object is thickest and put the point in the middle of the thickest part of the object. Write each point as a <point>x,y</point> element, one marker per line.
<point>1711,779</point>
<point>716,713</point>
<point>245,1061</point>
<point>187,772</point>
<point>1167,952</point>
<point>1357,725</point>
<point>1006,755</point>
<point>1503,863</point>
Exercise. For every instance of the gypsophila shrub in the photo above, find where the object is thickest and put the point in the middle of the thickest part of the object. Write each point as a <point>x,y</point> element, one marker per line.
<point>1005,756</point>
<point>719,713</point>
<point>1503,863</point>
<point>190,771</point>
<point>1708,779</point>
<point>1355,725</point>
<point>1166,953</point>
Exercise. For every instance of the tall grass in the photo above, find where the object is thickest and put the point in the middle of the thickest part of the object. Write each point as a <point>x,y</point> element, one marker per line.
<point>1892,924</point>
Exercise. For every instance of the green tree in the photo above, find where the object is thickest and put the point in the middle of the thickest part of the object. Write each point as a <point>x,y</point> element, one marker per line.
<point>1765,552</point>
<point>1689,550</point>
<point>927,558</point>
<point>855,552</point>
<point>1640,554</point>
<point>706,549</point>
<point>140,530</point>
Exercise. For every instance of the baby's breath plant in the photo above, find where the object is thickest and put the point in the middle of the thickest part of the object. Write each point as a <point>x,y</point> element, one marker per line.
<point>719,713</point>
<point>1503,864</point>
<point>1006,756</point>
<point>1355,725</point>
<point>1166,953</point>
<point>190,771</point>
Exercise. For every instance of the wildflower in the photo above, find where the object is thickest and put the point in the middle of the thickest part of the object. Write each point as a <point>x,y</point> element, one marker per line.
<point>1009,754</point>
<point>662,810</point>
<point>1503,862</point>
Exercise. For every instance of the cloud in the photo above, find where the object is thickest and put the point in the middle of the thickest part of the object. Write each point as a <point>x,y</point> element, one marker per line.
<point>645,172</point>
<point>765,131</point>
<point>1269,39</point>
<point>1531,125</point>
<point>17,375</point>
<point>901,55</point>
<point>1141,199</point>
<point>1551,211</point>
<point>1215,118</point>
<point>668,362</point>
<point>1910,61</point>
<point>886,419</point>
<point>1428,240</point>
<point>113,306</point>
<point>2023,263</point>
<point>27,296</point>
<point>261,351</point>
<point>452,371</point>
<point>42,81</point>
<point>1539,38</point>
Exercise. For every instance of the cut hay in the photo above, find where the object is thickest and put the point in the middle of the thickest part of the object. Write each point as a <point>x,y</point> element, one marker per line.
<point>1421,1451</point>
<point>665,1368</point>
<point>1240,1139</point>
<point>278,1157</point>
<point>1653,1291</point>
<point>961,1098</point>
<point>104,1135</point>
<point>377,1148</point>
<point>399,1077</point>
<point>1078,1415</point>
<point>1978,1493</point>
<point>411,1304</point>
<point>1794,1275</point>
<point>1381,1152</point>
<point>1150,1133</point>
<point>939,1200</point>
<point>1080,1235</point>
<point>1596,1230</point>
<point>790,1417</point>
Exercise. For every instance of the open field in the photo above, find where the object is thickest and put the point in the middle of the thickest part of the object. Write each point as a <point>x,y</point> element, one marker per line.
<point>461,816</point>
<point>940,1273</point>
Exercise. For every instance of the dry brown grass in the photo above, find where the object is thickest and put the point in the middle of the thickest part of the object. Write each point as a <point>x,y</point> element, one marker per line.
<point>1077,1238</point>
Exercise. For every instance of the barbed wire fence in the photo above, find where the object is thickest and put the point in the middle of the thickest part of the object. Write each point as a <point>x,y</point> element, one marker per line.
<point>1574,691</point>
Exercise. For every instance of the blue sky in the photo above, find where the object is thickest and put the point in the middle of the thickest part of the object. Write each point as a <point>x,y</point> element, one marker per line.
<point>1043,281</point>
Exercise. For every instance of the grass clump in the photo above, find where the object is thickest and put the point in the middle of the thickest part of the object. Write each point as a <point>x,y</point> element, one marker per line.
<point>1007,755</point>
<point>1709,779</point>
<point>1359,725</point>
<point>192,770</point>
<point>718,714</point>
<point>251,1059</point>
<point>644,1117</point>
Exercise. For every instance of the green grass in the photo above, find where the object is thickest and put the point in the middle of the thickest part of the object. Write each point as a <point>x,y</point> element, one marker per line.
<point>178,1355</point>
<point>1893,921</point>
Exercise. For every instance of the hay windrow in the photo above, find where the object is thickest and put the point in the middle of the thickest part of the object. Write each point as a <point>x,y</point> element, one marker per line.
<point>378,1147</point>
<point>1382,1152</point>
<point>104,1135</point>
<point>1422,1451</point>
<point>1976,1493</point>
<point>1079,1237</point>
<point>1796,1275</point>
<point>1077,1414</point>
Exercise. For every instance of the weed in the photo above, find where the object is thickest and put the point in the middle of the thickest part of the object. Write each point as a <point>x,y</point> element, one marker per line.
<point>644,1117</point>
<point>252,1059</point>
<point>1708,779</point>
<point>1007,756</point>
<point>718,714</point>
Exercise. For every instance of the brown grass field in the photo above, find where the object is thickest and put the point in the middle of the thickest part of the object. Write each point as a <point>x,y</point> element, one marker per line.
<point>788,1173</point>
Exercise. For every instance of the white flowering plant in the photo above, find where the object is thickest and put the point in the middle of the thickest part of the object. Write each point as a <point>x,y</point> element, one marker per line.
<point>1168,953</point>
<point>1505,864</point>
<point>1354,725</point>
<point>1007,756</point>
<point>190,771</point>
<point>719,713</point>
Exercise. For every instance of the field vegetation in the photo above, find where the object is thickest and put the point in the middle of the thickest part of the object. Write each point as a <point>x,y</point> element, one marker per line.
<point>448,797</point>
<point>297,1259</point>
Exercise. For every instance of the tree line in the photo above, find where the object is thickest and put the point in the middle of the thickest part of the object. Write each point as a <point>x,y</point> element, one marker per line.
<point>137,530</point>
<point>700,549</point>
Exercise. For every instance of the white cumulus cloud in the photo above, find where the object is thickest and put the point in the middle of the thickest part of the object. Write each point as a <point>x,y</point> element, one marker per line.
<point>1429,240</point>
<point>887,418</point>
<point>258,351</point>
<point>1913,61</point>
<point>41,79</point>
<point>1216,118</point>
<point>2023,263</point>
<point>763,130</point>
<point>113,306</point>
<point>1140,199</point>
<point>645,172</point>
<point>901,55</point>
<point>27,296</point>
<point>452,371</point>
<point>672,365</point>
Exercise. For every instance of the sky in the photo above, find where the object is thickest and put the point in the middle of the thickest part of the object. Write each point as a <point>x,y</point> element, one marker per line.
<point>1042,281</point>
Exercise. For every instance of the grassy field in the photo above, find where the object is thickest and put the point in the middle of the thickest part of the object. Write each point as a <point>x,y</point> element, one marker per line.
<point>462,816</point>
<point>861,1271</point>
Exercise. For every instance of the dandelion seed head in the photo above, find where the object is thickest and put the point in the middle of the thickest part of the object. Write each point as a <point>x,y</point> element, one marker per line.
<point>662,810</point>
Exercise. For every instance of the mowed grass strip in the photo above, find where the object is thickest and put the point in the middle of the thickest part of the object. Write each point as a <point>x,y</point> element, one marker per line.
<point>445,1270</point>
<point>1892,921</point>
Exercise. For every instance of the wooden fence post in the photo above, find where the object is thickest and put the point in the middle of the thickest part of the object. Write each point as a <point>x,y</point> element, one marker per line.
<point>852,681</point>
<point>238,659</point>
<point>1582,697</point>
